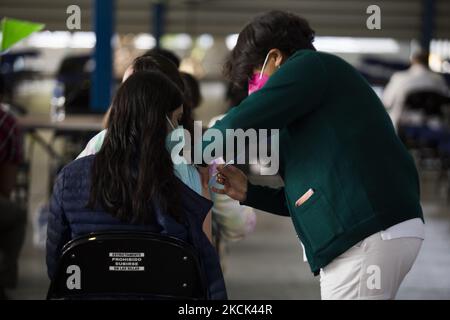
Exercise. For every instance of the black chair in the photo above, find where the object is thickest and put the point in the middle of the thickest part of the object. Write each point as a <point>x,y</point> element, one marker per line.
<point>73,84</point>
<point>430,102</point>
<point>124,265</point>
<point>74,75</point>
<point>421,136</point>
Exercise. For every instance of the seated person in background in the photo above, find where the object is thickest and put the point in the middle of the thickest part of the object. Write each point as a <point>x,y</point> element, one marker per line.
<point>417,77</point>
<point>12,216</point>
<point>130,183</point>
<point>192,100</point>
<point>146,62</point>
<point>169,55</point>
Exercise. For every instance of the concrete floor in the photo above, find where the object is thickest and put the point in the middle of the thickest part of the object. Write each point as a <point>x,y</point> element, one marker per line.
<point>268,263</point>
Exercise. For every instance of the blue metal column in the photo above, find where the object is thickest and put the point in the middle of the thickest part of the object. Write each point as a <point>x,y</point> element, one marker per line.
<point>102,77</point>
<point>428,18</point>
<point>158,19</point>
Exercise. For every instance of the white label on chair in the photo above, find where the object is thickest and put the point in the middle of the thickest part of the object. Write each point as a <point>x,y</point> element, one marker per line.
<point>74,280</point>
<point>128,268</point>
<point>126,254</point>
<point>127,261</point>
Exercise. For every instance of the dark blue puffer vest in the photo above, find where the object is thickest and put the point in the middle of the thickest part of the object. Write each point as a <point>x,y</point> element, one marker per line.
<point>69,218</point>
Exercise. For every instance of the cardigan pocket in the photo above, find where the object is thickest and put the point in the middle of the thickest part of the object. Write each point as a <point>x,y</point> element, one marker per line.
<point>318,221</point>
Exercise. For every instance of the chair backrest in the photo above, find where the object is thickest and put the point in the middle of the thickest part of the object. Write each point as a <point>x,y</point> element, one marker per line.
<point>124,265</point>
<point>430,102</point>
<point>75,75</point>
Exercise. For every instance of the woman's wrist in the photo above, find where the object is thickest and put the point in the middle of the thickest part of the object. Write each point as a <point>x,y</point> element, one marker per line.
<point>243,198</point>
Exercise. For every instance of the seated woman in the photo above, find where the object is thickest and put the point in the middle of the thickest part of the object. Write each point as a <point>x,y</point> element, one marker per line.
<point>130,183</point>
<point>232,221</point>
<point>186,173</point>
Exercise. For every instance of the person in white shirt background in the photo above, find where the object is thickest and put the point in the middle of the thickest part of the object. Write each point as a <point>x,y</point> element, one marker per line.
<point>417,77</point>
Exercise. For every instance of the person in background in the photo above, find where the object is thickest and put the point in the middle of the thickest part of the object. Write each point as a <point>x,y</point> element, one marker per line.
<point>12,216</point>
<point>192,100</point>
<point>417,77</point>
<point>231,221</point>
<point>130,183</point>
<point>155,52</point>
<point>147,62</point>
<point>169,55</point>
<point>193,94</point>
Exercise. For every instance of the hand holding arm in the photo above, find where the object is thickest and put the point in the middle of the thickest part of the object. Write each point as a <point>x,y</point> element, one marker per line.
<point>237,187</point>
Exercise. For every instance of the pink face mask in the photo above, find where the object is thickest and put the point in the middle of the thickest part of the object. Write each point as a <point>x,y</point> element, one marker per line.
<point>257,82</point>
<point>258,79</point>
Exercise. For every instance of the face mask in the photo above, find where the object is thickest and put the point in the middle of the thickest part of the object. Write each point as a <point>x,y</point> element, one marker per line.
<point>185,172</point>
<point>175,138</point>
<point>258,79</point>
<point>173,129</point>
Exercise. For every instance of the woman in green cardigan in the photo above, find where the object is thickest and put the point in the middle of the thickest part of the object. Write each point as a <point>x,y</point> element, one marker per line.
<point>351,188</point>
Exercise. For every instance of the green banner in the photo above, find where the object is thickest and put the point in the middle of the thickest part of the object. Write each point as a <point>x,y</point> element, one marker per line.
<point>15,30</point>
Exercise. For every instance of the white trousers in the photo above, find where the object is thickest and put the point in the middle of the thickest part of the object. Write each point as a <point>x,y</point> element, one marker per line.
<point>371,270</point>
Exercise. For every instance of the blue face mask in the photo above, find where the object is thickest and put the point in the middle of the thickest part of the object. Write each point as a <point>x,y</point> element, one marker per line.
<point>185,172</point>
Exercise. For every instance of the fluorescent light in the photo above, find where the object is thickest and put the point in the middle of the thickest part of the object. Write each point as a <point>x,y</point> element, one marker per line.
<point>182,41</point>
<point>47,39</point>
<point>356,45</point>
<point>439,54</point>
<point>144,41</point>
<point>83,40</point>
<point>179,41</point>
<point>205,41</point>
<point>61,40</point>
<point>231,41</point>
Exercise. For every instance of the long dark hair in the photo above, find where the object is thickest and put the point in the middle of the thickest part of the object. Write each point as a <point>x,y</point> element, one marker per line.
<point>160,60</point>
<point>284,31</point>
<point>133,173</point>
<point>159,63</point>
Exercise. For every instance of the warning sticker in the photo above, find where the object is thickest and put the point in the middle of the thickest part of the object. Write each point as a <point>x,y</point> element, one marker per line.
<point>127,261</point>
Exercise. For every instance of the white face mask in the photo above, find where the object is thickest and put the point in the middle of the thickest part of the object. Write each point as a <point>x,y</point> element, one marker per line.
<point>170,122</point>
<point>176,139</point>
<point>185,172</point>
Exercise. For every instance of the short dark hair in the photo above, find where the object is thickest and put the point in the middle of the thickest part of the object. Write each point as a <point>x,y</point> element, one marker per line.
<point>193,95</point>
<point>284,31</point>
<point>156,62</point>
<point>421,57</point>
<point>192,99</point>
<point>166,54</point>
